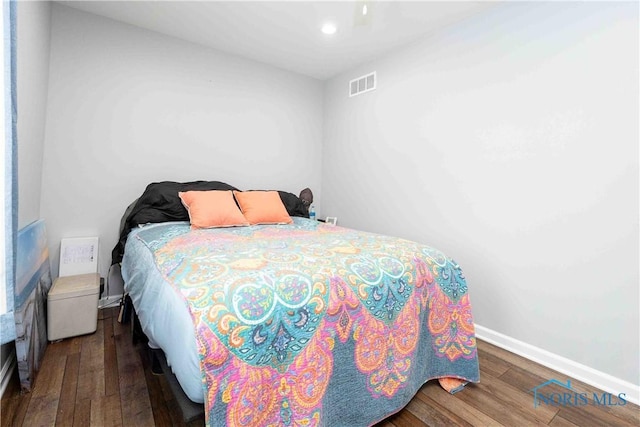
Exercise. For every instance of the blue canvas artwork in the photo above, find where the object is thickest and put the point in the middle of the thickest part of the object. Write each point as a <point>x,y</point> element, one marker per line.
<point>33,281</point>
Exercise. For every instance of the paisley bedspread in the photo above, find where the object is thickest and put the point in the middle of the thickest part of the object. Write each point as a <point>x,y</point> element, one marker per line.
<point>311,324</point>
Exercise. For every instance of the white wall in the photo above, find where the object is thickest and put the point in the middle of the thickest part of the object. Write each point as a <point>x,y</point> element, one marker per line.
<point>129,106</point>
<point>511,143</point>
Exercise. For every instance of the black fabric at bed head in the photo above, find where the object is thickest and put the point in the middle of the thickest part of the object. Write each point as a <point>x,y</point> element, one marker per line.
<point>160,203</point>
<point>294,204</point>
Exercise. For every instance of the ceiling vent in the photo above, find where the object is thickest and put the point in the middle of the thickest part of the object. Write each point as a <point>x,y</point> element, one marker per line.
<point>362,84</point>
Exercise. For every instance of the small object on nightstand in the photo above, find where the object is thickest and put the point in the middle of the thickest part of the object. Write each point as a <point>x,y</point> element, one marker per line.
<point>307,198</point>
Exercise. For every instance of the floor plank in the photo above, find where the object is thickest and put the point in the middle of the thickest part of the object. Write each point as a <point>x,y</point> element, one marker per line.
<point>558,421</point>
<point>438,413</point>
<point>134,395</point>
<point>67,403</point>
<point>106,411</point>
<point>82,414</point>
<point>484,401</point>
<point>111,385</point>
<point>103,379</point>
<point>492,364</point>
<point>462,409</point>
<point>511,396</point>
<point>91,382</point>
<point>406,419</point>
<point>45,395</point>
<point>42,411</point>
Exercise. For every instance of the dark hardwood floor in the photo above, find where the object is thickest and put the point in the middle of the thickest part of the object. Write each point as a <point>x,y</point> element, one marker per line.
<point>103,379</point>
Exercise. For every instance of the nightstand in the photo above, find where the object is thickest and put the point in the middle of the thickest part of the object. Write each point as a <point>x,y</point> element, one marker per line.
<point>72,306</point>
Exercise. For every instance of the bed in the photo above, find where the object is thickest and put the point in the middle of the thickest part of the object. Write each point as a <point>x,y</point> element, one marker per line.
<point>302,323</point>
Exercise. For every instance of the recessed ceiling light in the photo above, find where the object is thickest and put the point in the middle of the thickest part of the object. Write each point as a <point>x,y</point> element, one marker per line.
<point>329,28</point>
<point>364,9</point>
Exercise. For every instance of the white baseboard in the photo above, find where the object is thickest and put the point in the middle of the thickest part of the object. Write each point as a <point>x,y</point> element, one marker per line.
<point>110,301</point>
<point>593,377</point>
<point>7,371</point>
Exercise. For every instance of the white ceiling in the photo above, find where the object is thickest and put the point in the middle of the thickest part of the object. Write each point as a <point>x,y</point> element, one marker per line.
<point>287,34</point>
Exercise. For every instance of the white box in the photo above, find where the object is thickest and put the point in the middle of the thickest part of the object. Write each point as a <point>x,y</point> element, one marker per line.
<point>72,306</point>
